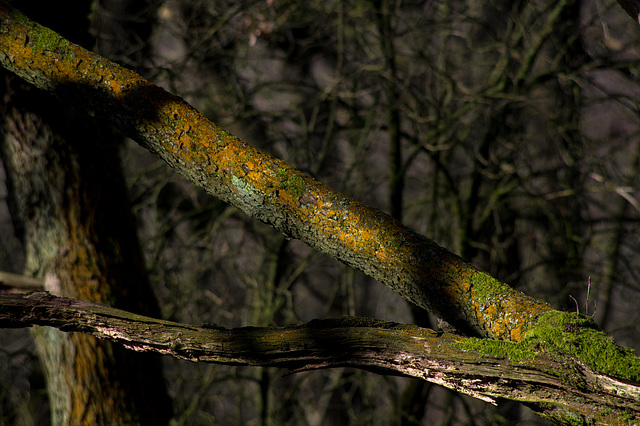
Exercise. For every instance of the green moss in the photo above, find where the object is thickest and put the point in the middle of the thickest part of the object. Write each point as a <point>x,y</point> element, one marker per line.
<point>565,334</point>
<point>224,136</point>
<point>580,338</point>
<point>19,17</point>
<point>484,285</point>
<point>46,39</point>
<point>498,348</point>
<point>291,182</point>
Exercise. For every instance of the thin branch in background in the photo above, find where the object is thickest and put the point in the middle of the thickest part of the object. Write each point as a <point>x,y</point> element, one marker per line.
<point>15,282</point>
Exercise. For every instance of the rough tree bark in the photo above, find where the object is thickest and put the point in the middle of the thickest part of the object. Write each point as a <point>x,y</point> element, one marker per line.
<point>300,207</point>
<point>551,383</point>
<point>69,203</point>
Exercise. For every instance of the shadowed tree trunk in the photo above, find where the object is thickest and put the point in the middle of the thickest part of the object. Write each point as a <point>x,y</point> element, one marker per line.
<point>69,204</point>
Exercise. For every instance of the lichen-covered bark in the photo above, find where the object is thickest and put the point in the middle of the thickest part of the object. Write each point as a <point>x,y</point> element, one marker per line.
<point>69,203</point>
<point>265,187</point>
<point>554,385</point>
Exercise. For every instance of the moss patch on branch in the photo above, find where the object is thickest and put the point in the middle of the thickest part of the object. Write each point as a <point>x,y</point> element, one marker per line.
<point>579,337</point>
<point>565,333</point>
<point>498,348</point>
<point>46,39</point>
<point>291,182</point>
<point>43,37</point>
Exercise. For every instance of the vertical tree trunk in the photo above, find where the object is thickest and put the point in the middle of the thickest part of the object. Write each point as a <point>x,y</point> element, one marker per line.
<point>69,203</point>
<point>396,173</point>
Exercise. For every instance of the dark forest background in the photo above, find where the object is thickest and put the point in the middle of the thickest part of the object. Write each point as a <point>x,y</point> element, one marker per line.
<point>506,131</point>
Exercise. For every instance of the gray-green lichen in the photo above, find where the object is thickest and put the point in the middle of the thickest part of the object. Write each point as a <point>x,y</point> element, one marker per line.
<point>250,195</point>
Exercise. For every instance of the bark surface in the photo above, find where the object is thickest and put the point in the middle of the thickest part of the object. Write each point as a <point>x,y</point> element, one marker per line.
<point>69,204</point>
<point>367,239</point>
<point>552,384</point>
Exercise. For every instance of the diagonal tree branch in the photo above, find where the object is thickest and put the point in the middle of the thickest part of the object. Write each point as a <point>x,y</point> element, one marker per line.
<point>551,384</point>
<point>267,188</point>
<point>632,7</point>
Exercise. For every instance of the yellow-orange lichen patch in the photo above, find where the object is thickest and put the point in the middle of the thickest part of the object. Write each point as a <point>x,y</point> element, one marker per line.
<point>31,46</point>
<point>381,255</point>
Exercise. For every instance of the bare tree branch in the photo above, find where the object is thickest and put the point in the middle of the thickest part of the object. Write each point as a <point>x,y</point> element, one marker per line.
<point>550,383</point>
<point>17,281</point>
